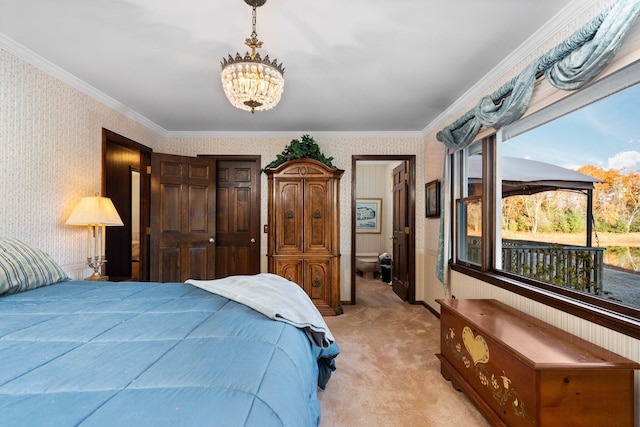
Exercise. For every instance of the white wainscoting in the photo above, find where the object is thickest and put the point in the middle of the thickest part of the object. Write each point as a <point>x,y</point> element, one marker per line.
<point>77,271</point>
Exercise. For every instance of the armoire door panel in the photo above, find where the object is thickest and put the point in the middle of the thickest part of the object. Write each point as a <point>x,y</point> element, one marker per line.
<point>317,279</point>
<point>290,269</point>
<point>317,217</point>
<point>289,217</point>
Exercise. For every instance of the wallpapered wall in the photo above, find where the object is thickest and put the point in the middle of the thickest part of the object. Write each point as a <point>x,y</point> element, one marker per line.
<point>51,139</point>
<point>463,286</point>
<point>342,149</point>
<point>50,151</point>
<point>50,156</point>
<point>375,182</point>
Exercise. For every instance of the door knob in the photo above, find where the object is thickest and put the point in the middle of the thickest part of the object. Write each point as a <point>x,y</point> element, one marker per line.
<point>253,240</point>
<point>212,240</point>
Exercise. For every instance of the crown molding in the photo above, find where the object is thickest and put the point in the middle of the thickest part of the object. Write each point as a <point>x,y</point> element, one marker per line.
<point>55,71</point>
<point>294,134</point>
<point>479,89</point>
<point>552,27</point>
<point>27,55</point>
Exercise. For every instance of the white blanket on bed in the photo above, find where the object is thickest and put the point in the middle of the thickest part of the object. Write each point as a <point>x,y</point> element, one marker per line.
<point>276,298</point>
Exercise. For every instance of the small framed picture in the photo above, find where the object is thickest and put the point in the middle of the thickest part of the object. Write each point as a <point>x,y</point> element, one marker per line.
<point>368,215</point>
<point>432,194</point>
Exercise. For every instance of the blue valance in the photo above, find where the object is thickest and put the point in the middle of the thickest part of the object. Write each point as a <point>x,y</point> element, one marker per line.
<point>568,66</point>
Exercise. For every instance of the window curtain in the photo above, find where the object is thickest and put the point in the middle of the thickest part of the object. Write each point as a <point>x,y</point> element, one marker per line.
<point>568,66</point>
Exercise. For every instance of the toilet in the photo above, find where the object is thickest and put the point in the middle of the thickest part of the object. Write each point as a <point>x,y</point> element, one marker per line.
<point>367,264</point>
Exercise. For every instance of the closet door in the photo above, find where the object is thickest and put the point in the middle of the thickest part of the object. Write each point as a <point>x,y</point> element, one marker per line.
<point>183,218</point>
<point>237,215</point>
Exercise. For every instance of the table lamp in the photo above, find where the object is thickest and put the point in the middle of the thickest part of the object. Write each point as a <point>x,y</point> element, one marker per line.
<point>95,213</point>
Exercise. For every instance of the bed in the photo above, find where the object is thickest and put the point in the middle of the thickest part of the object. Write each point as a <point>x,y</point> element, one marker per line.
<point>132,353</point>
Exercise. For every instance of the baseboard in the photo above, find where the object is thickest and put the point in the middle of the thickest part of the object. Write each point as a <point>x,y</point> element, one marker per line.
<point>428,307</point>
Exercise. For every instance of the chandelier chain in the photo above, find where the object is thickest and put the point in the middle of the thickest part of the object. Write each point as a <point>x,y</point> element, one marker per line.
<point>253,23</point>
<point>253,42</point>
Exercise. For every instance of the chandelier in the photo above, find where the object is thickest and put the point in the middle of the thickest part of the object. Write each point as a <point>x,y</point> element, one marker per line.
<point>252,83</point>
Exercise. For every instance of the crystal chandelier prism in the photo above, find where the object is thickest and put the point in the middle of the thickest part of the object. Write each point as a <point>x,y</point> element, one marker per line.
<point>250,82</point>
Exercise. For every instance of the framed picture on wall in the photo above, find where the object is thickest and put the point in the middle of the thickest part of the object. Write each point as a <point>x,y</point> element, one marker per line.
<point>432,194</point>
<point>368,215</point>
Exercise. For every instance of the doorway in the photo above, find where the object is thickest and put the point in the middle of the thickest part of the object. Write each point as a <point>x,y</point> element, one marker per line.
<point>237,214</point>
<point>126,181</point>
<point>396,195</point>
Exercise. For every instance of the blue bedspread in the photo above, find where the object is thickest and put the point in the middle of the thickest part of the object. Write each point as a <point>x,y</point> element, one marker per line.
<point>146,354</point>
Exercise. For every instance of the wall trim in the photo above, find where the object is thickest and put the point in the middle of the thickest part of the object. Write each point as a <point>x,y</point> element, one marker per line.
<point>294,134</point>
<point>77,271</point>
<point>27,55</point>
<point>561,20</point>
<point>430,309</point>
<point>483,86</point>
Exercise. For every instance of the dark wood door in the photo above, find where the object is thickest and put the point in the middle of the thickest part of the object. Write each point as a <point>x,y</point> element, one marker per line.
<point>237,217</point>
<point>183,202</point>
<point>119,161</point>
<point>400,267</point>
<point>120,158</point>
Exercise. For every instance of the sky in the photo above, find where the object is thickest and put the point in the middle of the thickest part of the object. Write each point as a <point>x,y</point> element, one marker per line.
<point>604,134</point>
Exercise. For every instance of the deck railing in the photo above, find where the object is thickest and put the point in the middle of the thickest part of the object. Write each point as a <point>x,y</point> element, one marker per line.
<point>575,267</point>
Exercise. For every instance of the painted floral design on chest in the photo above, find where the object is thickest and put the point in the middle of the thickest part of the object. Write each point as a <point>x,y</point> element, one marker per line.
<point>473,352</point>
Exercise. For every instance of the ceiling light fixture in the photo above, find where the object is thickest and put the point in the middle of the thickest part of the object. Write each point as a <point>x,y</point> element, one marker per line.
<point>252,83</point>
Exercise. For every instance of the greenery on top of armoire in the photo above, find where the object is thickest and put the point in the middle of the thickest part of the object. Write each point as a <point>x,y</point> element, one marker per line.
<point>305,149</point>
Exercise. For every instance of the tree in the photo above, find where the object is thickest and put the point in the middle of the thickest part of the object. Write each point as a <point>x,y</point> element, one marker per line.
<point>512,210</point>
<point>616,199</point>
<point>532,207</point>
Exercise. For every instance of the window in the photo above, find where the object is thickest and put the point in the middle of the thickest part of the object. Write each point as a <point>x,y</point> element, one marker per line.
<point>565,204</point>
<point>469,205</point>
<point>571,205</point>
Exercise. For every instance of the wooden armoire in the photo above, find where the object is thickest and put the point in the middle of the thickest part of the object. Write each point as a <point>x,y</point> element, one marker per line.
<point>304,229</point>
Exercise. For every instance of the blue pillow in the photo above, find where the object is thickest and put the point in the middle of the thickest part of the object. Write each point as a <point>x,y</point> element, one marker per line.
<point>24,267</point>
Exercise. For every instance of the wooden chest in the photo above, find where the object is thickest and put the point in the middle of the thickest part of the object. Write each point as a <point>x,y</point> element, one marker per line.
<point>520,371</point>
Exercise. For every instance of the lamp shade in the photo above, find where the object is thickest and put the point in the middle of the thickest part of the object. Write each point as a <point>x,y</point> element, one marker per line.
<point>95,210</point>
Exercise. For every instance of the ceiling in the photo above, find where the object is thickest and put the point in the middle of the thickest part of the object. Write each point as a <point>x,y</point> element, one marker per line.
<point>351,66</point>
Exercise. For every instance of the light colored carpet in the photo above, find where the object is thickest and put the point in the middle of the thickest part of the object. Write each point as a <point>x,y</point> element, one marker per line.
<point>387,372</point>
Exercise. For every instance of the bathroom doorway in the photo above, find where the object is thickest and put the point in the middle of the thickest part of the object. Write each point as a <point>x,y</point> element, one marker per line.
<point>375,192</point>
